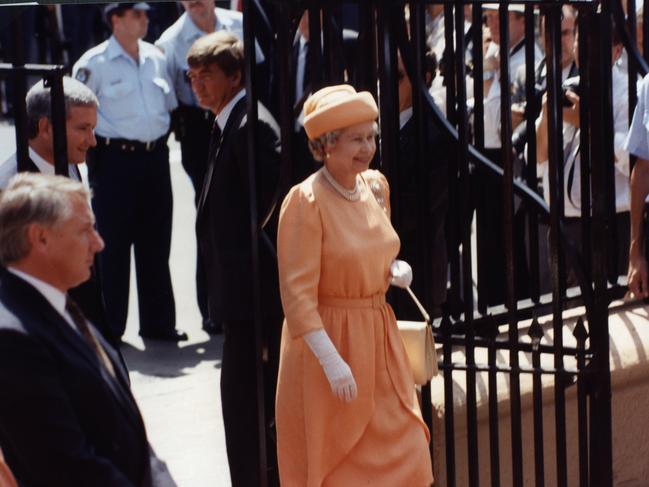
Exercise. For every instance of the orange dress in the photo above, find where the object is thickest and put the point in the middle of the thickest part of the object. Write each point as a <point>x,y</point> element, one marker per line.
<point>334,258</point>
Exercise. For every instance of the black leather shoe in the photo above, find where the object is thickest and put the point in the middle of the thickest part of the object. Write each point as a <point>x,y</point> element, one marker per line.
<point>212,328</point>
<point>167,336</point>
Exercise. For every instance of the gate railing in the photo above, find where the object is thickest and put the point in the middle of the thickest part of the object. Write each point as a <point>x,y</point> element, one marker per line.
<point>482,324</point>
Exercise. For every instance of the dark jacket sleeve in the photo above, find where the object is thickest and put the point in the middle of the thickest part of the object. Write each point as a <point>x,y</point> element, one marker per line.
<point>39,423</point>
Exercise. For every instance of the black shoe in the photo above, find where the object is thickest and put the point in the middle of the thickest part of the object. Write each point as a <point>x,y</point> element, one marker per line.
<point>167,336</point>
<point>212,328</point>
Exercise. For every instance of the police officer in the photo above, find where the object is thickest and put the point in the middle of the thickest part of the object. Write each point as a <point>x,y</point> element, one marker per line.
<point>193,124</point>
<point>129,169</point>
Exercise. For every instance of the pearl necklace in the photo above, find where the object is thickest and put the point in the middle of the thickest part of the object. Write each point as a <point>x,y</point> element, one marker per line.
<point>351,195</point>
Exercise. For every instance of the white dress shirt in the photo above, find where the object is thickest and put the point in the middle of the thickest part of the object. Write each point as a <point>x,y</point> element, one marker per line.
<point>222,117</point>
<point>53,295</point>
<point>571,135</point>
<point>9,168</point>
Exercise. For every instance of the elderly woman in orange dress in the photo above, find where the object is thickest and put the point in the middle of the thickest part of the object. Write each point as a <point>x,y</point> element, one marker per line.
<point>347,413</point>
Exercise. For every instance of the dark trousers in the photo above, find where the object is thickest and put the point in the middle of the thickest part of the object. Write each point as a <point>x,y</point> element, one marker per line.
<point>239,402</point>
<point>193,128</point>
<point>132,201</point>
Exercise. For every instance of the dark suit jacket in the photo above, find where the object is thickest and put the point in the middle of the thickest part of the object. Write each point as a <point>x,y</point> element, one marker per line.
<point>406,209</point>
<point>223,219</point>
<point>64,421</point>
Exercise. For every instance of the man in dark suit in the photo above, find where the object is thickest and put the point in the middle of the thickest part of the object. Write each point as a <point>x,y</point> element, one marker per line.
<point>216,71</point>
<point>410,173</point>
<point>67,415</point>
<point>81,117</point>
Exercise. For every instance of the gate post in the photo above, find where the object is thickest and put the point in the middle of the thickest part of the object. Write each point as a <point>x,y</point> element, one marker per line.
<point>599,102</point>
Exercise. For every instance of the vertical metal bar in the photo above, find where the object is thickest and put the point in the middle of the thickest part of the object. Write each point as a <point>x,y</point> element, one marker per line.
<point>463,157</point>
<point>388,100</point>
<point>449,415</point>
<point>447,58</point>
<point>367,44</point>
<point>601,471</point>
<point>531,111</point>
<point>478,86</point>
<point>580,333</point>
<point>585,149</point>
<point>536,334</point>
<point>54,80</point>
<point>508,221</point>
<point>645,30</point>
<point>285,77</point>
<point>632,70</point>
<point>315,48</point>
<point>251,102</point>
<point>418,39</point>
<point>333,41</point>
<point>494,435</point>
<point>19,89</point>
<point>555,156</point>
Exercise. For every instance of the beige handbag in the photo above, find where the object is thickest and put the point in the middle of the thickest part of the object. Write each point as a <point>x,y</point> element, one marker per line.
<point>420,345</point>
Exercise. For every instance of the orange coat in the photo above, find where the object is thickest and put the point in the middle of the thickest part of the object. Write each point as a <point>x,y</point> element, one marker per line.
<point>334,257</point>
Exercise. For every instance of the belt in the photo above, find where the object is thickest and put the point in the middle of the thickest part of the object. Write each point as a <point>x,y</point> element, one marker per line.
<point>127,145</point>
<point>375,301</point>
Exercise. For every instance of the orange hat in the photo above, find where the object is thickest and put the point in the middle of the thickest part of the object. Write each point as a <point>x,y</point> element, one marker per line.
<point>336,107</point>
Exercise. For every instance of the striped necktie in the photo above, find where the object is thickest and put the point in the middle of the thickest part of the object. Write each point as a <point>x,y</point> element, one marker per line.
<point>82,325</point>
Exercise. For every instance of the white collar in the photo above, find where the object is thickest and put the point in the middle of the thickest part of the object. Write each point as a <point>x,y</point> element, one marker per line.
<point>222,117</point>
<point>53,295</point>
<point>115,49</point>
<point>43,166</point>
<point>404,116</point>
<point>190,30</point>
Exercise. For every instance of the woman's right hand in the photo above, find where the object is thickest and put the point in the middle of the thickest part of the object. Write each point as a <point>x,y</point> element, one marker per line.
<point>340,377</point>
<point>336,370</point>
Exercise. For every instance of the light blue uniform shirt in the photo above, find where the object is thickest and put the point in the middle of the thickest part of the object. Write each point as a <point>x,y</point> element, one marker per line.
<point>134,99</point>
<point>179,37</point>
<point>637,142</point>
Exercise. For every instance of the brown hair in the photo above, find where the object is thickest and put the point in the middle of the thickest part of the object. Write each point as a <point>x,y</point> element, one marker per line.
<point>221,48</point>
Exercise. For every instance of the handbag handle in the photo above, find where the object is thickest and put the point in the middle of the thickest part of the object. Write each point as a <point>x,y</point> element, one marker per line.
<point>420,306</point>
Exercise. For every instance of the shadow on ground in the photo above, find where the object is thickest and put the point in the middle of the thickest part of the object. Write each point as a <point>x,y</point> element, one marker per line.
<point>161,359</point>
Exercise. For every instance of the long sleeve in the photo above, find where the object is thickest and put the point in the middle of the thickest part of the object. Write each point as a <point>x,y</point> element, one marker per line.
<point>299,249</point>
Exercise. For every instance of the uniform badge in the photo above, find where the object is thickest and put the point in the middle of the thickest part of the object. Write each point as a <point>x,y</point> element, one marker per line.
<point>83,74</point>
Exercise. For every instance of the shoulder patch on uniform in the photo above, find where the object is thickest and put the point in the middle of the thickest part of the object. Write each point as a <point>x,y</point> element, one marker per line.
<point>83,74</point>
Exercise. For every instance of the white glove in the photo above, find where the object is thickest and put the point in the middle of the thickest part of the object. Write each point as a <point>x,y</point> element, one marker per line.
<point>338,373</point>
<point>400,274</point>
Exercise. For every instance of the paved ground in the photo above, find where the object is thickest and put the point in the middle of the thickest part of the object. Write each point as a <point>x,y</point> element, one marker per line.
<point>176,386</point>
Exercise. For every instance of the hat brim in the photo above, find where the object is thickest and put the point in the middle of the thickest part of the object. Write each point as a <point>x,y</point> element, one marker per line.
<point>354,109</point>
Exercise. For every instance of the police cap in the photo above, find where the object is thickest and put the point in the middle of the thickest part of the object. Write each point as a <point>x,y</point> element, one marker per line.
<point>119,7</point>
